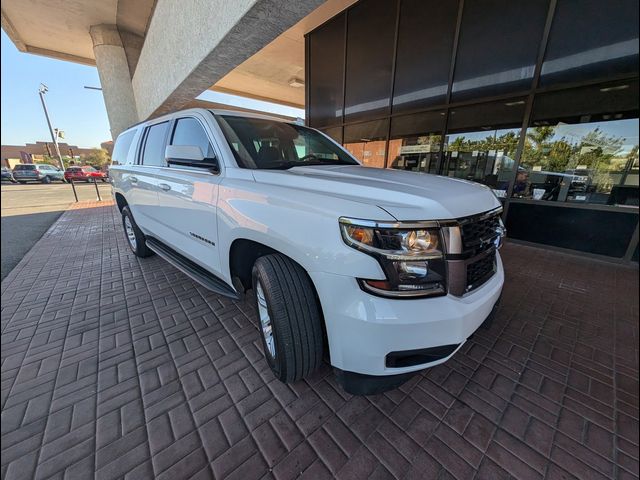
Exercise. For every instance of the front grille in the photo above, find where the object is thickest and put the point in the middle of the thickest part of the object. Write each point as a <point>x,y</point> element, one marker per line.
<point>480,271</point>
<point>478,235</point>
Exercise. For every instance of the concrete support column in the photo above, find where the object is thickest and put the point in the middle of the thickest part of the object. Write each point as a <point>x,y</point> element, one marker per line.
<point>115,77</point>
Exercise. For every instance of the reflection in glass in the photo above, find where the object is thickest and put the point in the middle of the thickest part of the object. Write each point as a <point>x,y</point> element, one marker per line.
<point>367,142</point>
<point>370,39</point>
<point>415,141</point>
<point>425,42</point>
<point>499,41</point>
<point>583,162</point>
<point>591,39</point>
<point>482,156</point>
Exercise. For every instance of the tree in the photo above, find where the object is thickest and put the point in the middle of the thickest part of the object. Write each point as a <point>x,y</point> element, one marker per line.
<point>98,158</point>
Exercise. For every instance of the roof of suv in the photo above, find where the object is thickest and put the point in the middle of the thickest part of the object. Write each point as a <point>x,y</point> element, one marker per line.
<point>235,113</point>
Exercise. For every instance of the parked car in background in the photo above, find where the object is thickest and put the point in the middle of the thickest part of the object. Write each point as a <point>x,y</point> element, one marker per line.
<point>84,173</point>
<point>384,272</point>
<point>7,176</point>
<point>37,172</point>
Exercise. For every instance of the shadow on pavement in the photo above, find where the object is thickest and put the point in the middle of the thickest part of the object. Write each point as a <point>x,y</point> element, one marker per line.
<point>20,233</point>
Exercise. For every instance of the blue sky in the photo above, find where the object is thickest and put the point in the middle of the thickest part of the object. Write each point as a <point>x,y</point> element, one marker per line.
<point>79,112</point>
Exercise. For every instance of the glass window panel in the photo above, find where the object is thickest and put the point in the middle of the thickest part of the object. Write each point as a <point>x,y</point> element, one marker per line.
<point>189,131</point>
<point>367,142</point>
<point>579,162</point>
<point>603,101</point>
<point>154,145</point>
<point>582,146</point>
<point>423,59</point>
<point>416,141</point>
<point>591,39</point>
<point>498,47</point>
<point>121,148</point>
<point>326,67</point>
<point>370,39</point>
<point>481,143</point>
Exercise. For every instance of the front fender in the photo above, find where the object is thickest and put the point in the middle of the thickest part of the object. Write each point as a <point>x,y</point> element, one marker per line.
<point>304,228</point>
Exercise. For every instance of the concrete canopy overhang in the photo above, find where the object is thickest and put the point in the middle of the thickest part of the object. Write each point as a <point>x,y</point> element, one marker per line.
<point>60,28</point>
<point>267,75</point>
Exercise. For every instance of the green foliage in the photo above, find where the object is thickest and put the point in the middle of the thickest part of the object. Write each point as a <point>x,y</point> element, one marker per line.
<point>98,158</point>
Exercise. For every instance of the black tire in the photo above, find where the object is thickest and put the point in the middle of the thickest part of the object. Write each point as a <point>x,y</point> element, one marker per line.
<point>295,317</point>
<point>22,182</point>
<point>104,180</point>
<point>46,180</point>
<point>139,248</point>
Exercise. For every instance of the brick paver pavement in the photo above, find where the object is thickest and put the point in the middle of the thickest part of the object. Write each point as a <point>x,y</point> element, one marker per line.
<point>124,368</point>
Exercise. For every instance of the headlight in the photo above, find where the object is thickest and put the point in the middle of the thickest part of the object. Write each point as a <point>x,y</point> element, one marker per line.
<point>409,254</point>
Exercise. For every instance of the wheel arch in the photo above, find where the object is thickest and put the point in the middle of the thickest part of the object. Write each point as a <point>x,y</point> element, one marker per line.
<point>121,202</point>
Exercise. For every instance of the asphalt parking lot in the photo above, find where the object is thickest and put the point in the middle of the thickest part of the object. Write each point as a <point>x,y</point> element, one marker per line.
<point>29,210</point>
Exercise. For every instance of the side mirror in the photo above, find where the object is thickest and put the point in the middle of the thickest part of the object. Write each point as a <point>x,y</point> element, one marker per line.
<point>190,156</point>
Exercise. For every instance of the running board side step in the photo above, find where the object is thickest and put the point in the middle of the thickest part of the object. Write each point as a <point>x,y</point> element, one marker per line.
<point>191,269</point>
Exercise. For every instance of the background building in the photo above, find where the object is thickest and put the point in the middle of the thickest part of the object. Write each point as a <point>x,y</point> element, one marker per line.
<point>538,100</point>
<point>11,153</point>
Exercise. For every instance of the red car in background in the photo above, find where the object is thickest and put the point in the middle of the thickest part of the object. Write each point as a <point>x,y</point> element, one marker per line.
<point>84,173</point>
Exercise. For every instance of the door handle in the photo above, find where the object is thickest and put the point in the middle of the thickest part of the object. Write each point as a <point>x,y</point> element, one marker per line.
<point>133,179</point>
<point>164,186</point>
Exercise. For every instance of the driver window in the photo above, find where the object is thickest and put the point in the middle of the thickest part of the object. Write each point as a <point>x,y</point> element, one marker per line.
<point>189,131</point>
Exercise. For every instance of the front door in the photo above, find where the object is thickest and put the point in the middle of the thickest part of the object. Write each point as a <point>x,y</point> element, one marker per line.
<point>187,198</point>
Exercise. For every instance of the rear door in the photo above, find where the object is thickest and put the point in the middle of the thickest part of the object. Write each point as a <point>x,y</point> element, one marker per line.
<point>187,197</point>
<point>142,178</point>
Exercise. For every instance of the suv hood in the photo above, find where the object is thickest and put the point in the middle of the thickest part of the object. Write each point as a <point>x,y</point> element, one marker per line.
<point>405,195</point>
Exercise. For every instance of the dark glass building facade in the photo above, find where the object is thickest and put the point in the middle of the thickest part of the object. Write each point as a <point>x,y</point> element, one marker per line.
<point>536,99</point>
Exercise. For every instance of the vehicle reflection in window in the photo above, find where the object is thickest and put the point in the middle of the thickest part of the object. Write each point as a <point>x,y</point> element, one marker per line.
<point>415,154</point>
<point>482,156</point>
<point>593,162</point>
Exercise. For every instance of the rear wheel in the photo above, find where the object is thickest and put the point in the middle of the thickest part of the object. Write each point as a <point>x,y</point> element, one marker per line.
<point>46,179</point>
<point>290,317</point>
<point>135,237</point>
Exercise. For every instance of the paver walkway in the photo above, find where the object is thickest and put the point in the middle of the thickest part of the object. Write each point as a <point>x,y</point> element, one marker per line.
<point>117,367</point>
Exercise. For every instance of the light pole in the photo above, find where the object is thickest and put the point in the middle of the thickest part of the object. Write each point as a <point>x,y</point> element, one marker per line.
<point>54,136</point>
<point>42,90</point>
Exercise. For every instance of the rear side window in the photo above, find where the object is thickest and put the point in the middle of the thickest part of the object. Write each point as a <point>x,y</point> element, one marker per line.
<point>153,150</point>
<point>189,131</point>
<point>25,167</point>
<point>121,148</point>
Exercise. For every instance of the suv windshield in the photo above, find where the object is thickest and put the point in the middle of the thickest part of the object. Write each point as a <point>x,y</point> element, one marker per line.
<point>267,144</point>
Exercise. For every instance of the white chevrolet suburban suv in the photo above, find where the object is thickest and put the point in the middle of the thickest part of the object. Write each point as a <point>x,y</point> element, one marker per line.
<point>381,272</point>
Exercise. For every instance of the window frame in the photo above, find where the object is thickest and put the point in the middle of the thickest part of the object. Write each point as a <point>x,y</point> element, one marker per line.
<point>214,146</point>
<point>143,143</point>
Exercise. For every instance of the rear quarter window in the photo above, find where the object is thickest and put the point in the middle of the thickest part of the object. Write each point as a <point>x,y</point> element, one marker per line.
<point>121,148</point>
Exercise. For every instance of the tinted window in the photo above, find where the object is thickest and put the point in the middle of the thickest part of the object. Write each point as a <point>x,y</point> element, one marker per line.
<point>24,167</point>
<point>326,67</point>
<point>582,146</point>
<point>153,153</point>
<point>591,39</point>
<point>370,38</point>
<point>415,141</point>
<point>121,148</point>
<point>499,43</point>
<point>367,142</point>
<point>423,59</point>
<point>189,131</point>
<point>266,144</point>
<point>481,143</point>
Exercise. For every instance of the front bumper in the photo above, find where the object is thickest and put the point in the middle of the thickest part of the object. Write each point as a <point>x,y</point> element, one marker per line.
<point>363,329</point>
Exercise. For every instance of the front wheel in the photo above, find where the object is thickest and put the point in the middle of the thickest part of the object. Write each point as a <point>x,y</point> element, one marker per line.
<point>290,317</point>
<point>135,237</point>
<point>46,180</point>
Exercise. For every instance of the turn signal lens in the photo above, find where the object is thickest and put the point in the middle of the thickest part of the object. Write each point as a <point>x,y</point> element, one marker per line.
<point>360,234</point>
